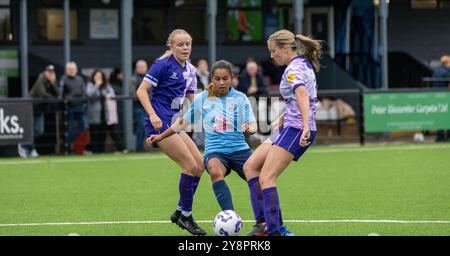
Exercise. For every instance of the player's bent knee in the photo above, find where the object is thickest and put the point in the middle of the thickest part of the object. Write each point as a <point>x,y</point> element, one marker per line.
<point>191,169</point>
<point>216,174</point>
<point>200,169</point>
<point>267,181</point>
<point>249,170</point>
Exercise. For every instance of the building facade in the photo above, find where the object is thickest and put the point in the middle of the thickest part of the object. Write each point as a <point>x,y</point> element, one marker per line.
<point>350,27</point>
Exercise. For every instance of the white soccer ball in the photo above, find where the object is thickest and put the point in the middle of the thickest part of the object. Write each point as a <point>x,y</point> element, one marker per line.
<point>227,223</point>
<point>419,137</point>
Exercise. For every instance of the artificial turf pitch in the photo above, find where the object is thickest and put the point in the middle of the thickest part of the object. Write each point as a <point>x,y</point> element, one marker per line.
<point>389,190</point>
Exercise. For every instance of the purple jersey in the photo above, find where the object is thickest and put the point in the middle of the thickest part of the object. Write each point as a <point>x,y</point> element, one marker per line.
<point>171,82</point>
<point>299,73</point>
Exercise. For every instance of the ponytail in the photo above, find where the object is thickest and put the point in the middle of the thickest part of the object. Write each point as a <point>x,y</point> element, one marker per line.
<point>303,45</point>
<point>167,53</point>
<point>212,90</point>
<point>312,49</point>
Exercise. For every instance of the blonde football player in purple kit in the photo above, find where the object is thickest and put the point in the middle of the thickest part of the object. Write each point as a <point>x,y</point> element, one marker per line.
<point>172,78</point>
<point>298,87</point>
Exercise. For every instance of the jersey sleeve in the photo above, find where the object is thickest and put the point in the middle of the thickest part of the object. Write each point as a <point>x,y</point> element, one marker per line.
<point>193,115</point>
<point>192,80</point>
<point>155,73</point>
<point>295,78</point>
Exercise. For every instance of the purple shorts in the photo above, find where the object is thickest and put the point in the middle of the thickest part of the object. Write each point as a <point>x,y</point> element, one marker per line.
<point>289,139</point>
<point>149,130</point>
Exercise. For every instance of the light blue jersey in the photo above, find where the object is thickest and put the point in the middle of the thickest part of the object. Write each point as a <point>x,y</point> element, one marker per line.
<point>222,119</point>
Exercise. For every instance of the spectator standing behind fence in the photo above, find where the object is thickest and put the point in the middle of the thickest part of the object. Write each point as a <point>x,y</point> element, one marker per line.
<point>141,69</point>
<point>73,89</point>
<point>251,82</point>
<point>202,73</point>
<point>203,78</point>
<point>102,113</point>
<point>45,87</point>
<point>442,72</point>
<point>115,80</point>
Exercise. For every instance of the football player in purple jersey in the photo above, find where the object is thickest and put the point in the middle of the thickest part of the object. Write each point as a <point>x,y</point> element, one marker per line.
<point>172,78</point>
<point>298,87</point>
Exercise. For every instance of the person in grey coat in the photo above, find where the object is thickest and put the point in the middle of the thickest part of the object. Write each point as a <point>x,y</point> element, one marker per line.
<point>102,113</point>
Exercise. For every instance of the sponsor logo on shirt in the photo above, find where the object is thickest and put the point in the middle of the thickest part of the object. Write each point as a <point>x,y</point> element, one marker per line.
<point>290,78</point>
<point>174,76</point>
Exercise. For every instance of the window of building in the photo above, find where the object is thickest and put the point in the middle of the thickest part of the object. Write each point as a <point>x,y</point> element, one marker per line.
<point>6,34</point>
<point>149,25</point>
<point>255,20</point>
<point>191,15</point>
<point>153,20</point>
<point>244,21</point>
<point>51,24</point>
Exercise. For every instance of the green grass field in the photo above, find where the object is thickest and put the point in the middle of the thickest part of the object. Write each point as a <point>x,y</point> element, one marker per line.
<point>342,190</point>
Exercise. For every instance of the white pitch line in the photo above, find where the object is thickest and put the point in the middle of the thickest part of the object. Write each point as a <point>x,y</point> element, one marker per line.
<point>208,221</point>
<point>82,160</point>
<point>375,149</point>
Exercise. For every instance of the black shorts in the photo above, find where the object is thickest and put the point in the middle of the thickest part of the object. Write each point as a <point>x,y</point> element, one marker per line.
<point>234,161</point>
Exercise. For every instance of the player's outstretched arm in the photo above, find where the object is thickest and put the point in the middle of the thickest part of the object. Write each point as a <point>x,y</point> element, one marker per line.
<point>175,128</point>
<point>278,123</point>
<point>142,94</point>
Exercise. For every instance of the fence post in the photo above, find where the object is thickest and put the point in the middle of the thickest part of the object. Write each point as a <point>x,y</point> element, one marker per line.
<point>362,139</point>
<point>66,128</point>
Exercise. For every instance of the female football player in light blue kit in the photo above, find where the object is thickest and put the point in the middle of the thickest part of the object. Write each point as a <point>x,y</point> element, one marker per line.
<point>225,114</point>
<point>298,87</point>
<point>171,79</point>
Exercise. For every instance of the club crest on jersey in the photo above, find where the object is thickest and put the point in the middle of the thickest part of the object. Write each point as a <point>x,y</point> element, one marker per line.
<point>231,106</point>
<point>290,78</point>
<point>174,76</point>
<point>221,124</point>
<point>185,75</point>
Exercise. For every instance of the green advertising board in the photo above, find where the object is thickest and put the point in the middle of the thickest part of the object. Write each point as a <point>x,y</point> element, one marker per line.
<point>401,111</point>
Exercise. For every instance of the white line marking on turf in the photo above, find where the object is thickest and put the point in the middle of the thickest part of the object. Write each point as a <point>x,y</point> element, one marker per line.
<point>61,160</point>
<point>374,149</point>
<point>82,160</point>
<point>208,221</point>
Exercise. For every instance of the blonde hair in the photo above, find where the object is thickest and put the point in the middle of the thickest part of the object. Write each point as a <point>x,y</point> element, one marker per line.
<point>169,42</point>
<point>303,45</point>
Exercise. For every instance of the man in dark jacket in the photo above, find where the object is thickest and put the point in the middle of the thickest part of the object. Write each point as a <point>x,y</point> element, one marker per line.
<point>251,82</point>
<point>141,69</point>
<point>73,89</point>
<point>45,87</point>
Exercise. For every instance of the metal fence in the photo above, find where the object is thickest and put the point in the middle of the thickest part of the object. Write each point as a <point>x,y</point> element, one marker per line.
<point>340,119</point>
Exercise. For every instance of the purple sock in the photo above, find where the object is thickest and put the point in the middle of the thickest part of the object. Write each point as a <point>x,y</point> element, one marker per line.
<point>195,185</point>
<point>256,197</point>
<point>271,209</point>
<point>186,192</point>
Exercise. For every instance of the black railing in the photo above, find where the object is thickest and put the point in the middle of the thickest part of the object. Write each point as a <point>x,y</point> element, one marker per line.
<point>332,129</point>
<point>55,137</point>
